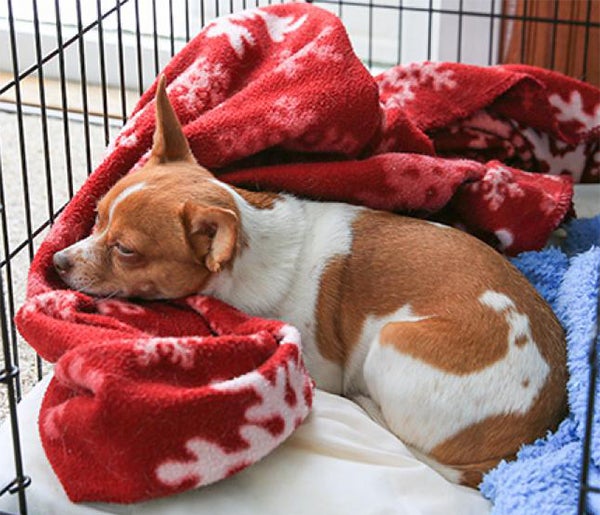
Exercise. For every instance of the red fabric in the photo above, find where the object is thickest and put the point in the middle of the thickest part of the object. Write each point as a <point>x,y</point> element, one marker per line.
<point>274,98</point>
<point>151,399</point>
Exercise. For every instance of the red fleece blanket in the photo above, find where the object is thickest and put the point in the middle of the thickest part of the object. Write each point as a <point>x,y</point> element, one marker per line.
<point>155,398</point>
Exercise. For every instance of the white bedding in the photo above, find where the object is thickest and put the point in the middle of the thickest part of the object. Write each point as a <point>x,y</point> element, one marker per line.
<point>338,462</point>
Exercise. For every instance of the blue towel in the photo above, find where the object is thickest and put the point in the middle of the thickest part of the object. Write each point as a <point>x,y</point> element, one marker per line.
<point>545,476</point>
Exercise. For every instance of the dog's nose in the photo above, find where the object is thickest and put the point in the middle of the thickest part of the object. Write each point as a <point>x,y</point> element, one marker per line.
<point>62,262</point>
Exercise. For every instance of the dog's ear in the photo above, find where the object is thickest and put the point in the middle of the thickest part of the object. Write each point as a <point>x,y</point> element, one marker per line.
<point>211,232</point>
<point>170,144</point>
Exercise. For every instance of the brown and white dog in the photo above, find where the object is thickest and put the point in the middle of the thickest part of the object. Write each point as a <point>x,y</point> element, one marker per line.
<point>441,335</point>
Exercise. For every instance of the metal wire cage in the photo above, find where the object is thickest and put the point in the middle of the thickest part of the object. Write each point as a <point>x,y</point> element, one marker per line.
<point>72,69</point>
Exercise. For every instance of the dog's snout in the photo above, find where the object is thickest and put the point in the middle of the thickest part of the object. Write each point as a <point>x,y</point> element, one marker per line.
<point>62,263</point>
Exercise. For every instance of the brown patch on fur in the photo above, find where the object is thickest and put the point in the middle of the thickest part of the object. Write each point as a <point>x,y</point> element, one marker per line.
<point>521,341</point>
<point>481,446</point>
<point>259,199</point>
<point>328,331</point>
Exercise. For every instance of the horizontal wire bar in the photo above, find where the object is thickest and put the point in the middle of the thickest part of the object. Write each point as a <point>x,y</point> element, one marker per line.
<point>55,112</point>
<point>34,235</point>
<point>465,13</point>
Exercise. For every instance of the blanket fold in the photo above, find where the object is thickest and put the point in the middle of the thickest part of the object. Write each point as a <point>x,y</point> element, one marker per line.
<point>154,398</point>
<point>134,413</point>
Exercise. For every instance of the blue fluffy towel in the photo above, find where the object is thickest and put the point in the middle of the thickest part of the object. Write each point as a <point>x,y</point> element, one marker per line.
<point>545,477</point>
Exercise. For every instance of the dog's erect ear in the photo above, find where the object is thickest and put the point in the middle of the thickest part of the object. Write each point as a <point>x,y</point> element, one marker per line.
<point>211,232</point>
<point>170,143</point>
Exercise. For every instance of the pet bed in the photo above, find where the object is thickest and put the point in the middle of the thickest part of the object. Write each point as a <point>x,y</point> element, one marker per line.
<point>282,85</point>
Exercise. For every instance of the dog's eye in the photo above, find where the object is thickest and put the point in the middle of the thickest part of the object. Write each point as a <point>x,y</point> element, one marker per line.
<point>124,251</point>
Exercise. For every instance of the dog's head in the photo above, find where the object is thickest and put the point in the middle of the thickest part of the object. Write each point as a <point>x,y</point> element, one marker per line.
<point>162,231</point>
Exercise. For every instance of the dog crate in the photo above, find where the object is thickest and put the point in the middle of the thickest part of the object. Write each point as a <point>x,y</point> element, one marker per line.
<point>71,70</point>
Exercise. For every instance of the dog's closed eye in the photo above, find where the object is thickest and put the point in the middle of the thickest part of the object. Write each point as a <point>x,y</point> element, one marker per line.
<point>123,250</point>
<point>125,253</point>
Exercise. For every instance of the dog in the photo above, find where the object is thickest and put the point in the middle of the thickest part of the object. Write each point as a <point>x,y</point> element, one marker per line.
<point>426,326</point>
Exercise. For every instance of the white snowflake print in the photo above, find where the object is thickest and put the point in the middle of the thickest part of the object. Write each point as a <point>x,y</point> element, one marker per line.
<point>315,50</point>
<point>239,35</point>
<point>52,422</point>
<point>572,110</point>
<point>497,184</point>
<point>286,120</point>
<point>236,33</point>
<point>404,80</point>
<point>288,117</point>
<point>279,26</point>
<point>558,156</point>
<point>79,375</point>
<point>177,351</point>
<point>548,203</point>
<point>114,306</point>
<point>203,85</point>
<point>127,137</point>
<point>59,304</point>
<point>211,462</point>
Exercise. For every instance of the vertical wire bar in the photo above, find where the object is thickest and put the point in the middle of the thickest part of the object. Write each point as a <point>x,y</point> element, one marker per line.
<point>202,19</point>
<point>45,140</point>
<point>121,63</point>
<point>429,29</point>
<point>491,40</point>
<point>22,481</point>
<point>44,114</point>
<point>84,95</point>
<point>554,30</point>
<point>103,72</point>
<point>21,130</point>
<point>370,50</point>
<point>400,20</point>
<point>589,421</point>
<point>171,28</point>
<point>230,6</point>
<point>586,43</point>
<point>64,101</point>
<point>155,37</point>
<point>460,32</point>
<point>10,287</point>
<point>523,31</point>
<point>25,184</point>
<point>138,37</point>
<point>187,21</point>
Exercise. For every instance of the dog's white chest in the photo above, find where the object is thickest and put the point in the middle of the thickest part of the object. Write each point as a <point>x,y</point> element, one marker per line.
<point>279,274</point>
